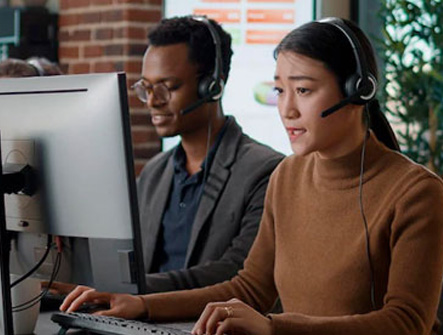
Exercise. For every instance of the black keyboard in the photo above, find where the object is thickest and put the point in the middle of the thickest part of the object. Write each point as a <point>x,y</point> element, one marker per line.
<point>108,325</point>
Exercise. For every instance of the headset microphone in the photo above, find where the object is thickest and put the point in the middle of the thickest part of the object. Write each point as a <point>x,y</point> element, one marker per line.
<point>195,105</point>
<point>337,106</point>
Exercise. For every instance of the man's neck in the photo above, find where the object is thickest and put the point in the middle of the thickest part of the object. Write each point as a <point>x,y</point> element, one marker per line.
<point>196,145</point>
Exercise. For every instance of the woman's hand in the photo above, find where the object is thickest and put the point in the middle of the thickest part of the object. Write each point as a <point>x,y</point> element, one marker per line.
<point>120,305</point>
<point>231,317</point>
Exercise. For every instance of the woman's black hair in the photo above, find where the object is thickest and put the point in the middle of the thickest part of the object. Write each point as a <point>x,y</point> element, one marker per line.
<point>326,43</point>
<point>198,38</point>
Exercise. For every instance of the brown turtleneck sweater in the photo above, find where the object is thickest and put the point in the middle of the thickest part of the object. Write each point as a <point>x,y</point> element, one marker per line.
<point>311,250</point>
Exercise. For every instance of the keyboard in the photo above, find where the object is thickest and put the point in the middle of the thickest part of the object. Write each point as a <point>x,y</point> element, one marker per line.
<point>108,325</point>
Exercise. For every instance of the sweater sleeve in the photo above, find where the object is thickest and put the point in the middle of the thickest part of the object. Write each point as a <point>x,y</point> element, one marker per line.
<point>415,273</point>
<point>254,284</point>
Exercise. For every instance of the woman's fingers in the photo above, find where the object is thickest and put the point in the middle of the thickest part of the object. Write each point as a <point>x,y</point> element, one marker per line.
<point>213,314</point>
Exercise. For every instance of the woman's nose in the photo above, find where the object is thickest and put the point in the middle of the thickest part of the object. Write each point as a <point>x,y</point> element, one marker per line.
<point>287,107</point>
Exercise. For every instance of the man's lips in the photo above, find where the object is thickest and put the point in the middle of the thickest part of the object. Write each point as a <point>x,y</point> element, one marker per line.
<point>160,118</point>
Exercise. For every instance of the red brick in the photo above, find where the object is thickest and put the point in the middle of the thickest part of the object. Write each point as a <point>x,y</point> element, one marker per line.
<point>140,119</point>
<point>81,35</point>
<point>79,3</point>
<point>131,1</point>
<point>137,15</point>
<point>104,34</point>
<point>104,67</point>
<point>68,52</point>
<point>64,4</point>
<point>133,66</point>
<point>92,17</point>
<point>132,32</point>
<point>101,2</point>
<point>80,68</point>
<point>92,51</point>
<point>144,135</point>
<point>113,50</point>
<point>147,151</point>
<point>135,49</point>
<point>112,16</point>
<point>135,102</point>
<point>68,20</point>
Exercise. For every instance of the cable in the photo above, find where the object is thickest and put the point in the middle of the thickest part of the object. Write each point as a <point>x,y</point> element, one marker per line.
<point>36,266</point>
<point>28,304</point>
<point>205,171</point>
<point>368,246</point>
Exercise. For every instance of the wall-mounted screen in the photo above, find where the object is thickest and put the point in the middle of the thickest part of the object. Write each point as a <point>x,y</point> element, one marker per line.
<point>256,27</point>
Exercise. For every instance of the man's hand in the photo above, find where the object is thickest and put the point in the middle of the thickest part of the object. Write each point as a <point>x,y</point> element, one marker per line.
<point>120,305</point>
<point>58,287</point>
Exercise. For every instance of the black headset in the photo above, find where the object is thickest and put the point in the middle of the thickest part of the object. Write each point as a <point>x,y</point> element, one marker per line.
<point>210,87</point>
<point>361,86</point>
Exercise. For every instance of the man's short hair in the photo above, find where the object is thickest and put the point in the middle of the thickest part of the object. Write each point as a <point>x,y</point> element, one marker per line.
<point>198,38</point>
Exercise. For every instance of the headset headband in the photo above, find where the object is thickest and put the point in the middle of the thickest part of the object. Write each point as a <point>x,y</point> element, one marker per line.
<point>366,78</point>
<point>217,44</point>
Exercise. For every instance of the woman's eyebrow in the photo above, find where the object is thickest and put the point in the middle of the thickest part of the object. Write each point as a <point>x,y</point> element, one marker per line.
<point>297,78</point>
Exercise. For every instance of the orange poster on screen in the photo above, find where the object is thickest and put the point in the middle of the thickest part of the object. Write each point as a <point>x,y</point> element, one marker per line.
<point>265,36</point>
<point>220,15</point>
<point>271,16</point>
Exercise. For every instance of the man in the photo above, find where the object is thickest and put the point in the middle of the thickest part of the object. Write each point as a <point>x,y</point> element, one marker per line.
<point>201,202</point>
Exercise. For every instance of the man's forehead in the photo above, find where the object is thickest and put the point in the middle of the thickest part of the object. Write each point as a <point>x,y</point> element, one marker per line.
<point>171,61</point>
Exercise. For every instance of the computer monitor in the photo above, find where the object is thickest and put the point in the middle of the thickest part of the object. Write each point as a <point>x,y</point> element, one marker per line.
<point>74,131</point>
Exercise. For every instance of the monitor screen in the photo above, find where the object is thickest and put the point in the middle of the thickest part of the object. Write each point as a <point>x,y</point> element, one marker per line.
<point>9,25</point>
<point>74,132</point>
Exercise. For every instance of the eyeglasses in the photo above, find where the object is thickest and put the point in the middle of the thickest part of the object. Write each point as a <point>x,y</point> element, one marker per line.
<point>161,92</point>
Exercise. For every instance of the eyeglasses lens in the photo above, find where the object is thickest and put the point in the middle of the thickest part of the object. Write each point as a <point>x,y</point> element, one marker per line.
<point>160,91</point>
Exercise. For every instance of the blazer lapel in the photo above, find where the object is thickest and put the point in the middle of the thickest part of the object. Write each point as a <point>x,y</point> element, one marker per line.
<point>217,178</point>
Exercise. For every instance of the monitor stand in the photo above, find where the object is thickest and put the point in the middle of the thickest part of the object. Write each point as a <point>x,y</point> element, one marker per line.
<point>8,326</point>
<point>18,180</point>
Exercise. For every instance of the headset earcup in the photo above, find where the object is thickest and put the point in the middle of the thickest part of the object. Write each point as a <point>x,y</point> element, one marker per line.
<point>207,86</point>
<point>204,86</point>
<point>351,85</point>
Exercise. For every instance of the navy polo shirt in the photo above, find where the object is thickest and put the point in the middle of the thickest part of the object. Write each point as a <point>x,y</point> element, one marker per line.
<point>178,218</point>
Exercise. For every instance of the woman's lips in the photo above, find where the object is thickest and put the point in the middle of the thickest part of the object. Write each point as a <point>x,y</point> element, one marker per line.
<point>295,133</point>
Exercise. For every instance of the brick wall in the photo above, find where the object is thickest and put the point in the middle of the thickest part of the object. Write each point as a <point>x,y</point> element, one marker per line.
<point>108,36</point>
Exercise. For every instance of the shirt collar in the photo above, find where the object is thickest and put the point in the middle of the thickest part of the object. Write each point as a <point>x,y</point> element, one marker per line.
<point>179,156</point>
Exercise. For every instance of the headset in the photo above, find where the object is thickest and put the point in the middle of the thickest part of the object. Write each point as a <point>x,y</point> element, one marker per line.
<point>361,86</point>
<point>210,87</point>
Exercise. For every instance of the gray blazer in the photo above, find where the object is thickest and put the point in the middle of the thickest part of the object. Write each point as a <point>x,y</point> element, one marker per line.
<point>227,218</point>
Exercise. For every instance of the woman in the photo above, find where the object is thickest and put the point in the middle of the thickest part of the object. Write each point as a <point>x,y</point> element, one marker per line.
<point>351,238</point>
